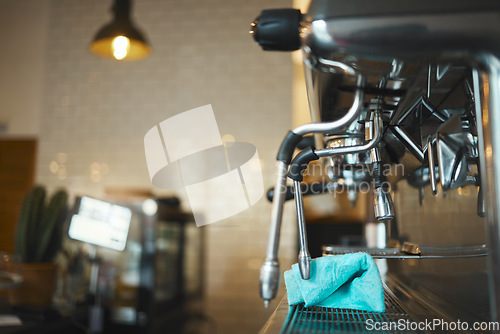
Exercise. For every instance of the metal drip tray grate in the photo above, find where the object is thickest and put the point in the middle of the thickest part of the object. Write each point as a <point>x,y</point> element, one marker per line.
<point>316,320</point>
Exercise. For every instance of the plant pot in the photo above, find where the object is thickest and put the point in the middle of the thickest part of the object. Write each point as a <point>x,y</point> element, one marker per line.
<point>38,287</point>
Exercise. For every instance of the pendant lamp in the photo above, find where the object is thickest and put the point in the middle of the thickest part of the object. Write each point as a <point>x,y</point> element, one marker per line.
<point>120,39</point>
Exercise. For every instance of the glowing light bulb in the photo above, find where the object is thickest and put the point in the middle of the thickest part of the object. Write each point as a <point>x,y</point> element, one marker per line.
<point>121,45</point>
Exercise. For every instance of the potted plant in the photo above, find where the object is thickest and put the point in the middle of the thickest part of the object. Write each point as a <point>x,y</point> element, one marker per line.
<point>38,239</point>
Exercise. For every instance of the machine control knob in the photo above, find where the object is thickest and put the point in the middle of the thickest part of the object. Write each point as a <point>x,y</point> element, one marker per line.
<point>277,29</point>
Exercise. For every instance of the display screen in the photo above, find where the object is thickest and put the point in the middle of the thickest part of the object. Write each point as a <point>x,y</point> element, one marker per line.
<point>100,223</point>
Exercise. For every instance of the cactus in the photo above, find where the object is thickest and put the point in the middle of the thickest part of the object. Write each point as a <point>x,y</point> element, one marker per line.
<point>39,229</point>
<point>26,227</point>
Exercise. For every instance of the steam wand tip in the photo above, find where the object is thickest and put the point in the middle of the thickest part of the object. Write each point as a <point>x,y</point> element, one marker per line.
<point>305,265</point>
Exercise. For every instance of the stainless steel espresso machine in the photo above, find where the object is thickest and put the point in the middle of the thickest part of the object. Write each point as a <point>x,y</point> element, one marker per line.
<point>405,95</point>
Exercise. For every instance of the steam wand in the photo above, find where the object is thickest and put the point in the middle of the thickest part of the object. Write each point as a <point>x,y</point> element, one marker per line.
<point>304,256</point>
<point>297,168</point>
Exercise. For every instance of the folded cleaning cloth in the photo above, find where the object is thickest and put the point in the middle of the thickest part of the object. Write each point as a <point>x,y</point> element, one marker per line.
<point>349,281</point>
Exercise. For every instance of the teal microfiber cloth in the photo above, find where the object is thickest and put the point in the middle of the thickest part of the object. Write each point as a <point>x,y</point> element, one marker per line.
<point>350,281</point>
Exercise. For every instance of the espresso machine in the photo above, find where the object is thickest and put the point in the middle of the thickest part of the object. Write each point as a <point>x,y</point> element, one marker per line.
<point>405,95</point>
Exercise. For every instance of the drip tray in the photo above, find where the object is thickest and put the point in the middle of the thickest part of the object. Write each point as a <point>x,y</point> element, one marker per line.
<point>316,320</point>
<point>319,320</point>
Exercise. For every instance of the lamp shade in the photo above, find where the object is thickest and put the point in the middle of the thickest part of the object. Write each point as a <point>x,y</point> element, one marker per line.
<point>120,39</point>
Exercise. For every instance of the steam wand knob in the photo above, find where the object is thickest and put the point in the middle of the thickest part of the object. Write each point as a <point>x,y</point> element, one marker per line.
<point>277,29</point>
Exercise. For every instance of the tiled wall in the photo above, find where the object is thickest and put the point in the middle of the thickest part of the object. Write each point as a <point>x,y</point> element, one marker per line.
<point>96,112</point>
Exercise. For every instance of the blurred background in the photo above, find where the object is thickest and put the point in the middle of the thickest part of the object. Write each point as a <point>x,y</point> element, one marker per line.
<point>79,121</point>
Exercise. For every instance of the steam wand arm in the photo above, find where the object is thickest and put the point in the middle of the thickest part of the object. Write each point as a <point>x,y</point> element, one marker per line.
<point>270,269</point>
<point>304,255</point>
